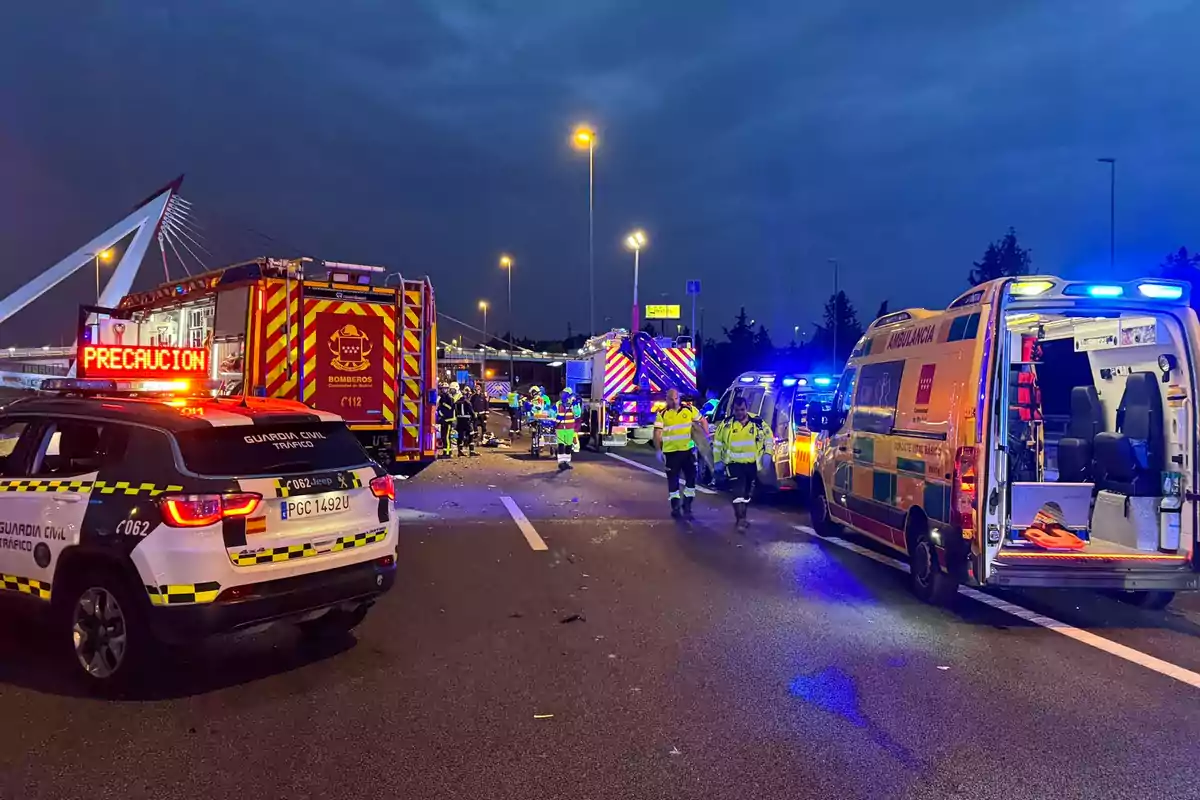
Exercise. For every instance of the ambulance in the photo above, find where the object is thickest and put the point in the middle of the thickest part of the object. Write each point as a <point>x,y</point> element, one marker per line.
<point>341,338</point>
<point>1037,432</point>
<point>782,400</point>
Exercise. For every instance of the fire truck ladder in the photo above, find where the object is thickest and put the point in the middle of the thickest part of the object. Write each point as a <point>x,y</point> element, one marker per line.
<point>651,362</point>
<point>413,340</point>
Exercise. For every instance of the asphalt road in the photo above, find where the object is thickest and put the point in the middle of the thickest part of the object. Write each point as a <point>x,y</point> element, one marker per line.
<point>634,657</point>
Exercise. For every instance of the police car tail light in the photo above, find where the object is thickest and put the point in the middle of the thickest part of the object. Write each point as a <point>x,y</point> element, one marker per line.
<point>198,510</point>
<point>383,486</point>
<point>964,490</point>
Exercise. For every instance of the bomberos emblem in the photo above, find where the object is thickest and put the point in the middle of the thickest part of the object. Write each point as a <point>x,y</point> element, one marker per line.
<point>350,348</point>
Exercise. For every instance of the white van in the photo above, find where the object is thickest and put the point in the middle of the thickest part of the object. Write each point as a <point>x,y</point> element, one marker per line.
<point>1038,432</point>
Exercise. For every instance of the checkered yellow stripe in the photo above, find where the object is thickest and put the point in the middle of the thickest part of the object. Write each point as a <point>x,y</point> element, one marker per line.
<point>180,593</point>
<point>352,482</point>
<point>272,555</point>
<point>359,539</point>
<point>102,487</point>
<point>32,586</point>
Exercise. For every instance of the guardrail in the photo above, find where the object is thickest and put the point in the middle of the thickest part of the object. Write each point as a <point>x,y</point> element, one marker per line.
<point>37,352</point>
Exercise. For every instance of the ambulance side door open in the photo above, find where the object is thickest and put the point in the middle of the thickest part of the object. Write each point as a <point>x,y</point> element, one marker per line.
<point>781,431</point>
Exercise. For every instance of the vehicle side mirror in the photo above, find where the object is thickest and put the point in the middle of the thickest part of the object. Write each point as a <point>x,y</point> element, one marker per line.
<point>816,418</point>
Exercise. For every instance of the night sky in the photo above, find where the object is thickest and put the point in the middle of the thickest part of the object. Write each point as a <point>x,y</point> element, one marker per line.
<point>752,140</point>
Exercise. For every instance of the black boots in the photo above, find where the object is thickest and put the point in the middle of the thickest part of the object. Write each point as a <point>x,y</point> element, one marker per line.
<point>687,507</point>
<point>739,513</point>
<point>675,511</point>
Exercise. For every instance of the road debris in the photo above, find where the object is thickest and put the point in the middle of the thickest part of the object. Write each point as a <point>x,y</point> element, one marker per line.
<point>675,751</point>
<point>573,618</point>
<point>543,716</point>
<point>942,668</point>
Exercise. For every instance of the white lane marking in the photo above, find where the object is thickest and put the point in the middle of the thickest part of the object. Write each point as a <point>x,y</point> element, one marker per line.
<point>1070,631</point>
<point>653,471</point>
<point>531,536</point>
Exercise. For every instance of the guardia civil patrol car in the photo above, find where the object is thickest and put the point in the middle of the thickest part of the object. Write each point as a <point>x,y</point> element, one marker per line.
<point>136,520</point>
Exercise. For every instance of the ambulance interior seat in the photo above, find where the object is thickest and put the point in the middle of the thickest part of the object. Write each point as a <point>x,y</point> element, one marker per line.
<point>1075,449</point>
<point>1130,460</point>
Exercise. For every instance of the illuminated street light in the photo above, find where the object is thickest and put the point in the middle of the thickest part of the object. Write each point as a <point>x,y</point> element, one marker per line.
<point>104,255</point>
<point>584,138</point>
<point>506,264</point>
<point>635,242</point>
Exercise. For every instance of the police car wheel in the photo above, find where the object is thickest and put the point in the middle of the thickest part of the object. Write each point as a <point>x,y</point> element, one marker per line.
<point>333,623</point>
<point>1150,600</point>
<point>105,629</point>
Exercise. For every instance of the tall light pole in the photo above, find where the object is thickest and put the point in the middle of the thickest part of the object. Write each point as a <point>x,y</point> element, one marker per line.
<point>506,264</point>
<point>104,255</point>
<point>837,308</point>
<point>635,242</point>
<point>1112,212</point>
<point>483,306</point>
<point>585,139</point>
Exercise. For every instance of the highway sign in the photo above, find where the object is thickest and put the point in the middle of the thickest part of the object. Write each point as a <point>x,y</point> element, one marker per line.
<point>693,287</point>
<point>662,312</point>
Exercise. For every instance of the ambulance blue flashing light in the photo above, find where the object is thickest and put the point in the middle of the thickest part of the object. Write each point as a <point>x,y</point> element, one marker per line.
<point>789,381</point>
<point>822,381</point>
<point>803,381</point>
<point>1160,291</point>
<point>766,379</point>
<point>746,379</point>
<point>1104,290</point>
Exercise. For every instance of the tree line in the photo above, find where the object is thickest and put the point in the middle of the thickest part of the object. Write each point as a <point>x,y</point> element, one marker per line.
<point>745,348</point>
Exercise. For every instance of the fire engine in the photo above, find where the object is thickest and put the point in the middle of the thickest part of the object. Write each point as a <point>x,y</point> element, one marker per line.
<point>624,381</point>
<point>337,343</point>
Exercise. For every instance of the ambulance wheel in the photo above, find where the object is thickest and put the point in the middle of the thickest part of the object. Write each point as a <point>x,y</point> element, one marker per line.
<point>1149,600</point>
<point>333,624</point>
<point>102,626</point>
<point>818,510</point>
<point>929,582</point>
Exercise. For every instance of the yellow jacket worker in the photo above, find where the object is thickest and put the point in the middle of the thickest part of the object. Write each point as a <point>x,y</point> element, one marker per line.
<point>739,444</point>
<point>673,441</point>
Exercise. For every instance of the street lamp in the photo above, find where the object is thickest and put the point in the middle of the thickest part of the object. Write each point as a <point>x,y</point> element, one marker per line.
<point>506,264</point>
<point>104,255</point>
<point>584,138</point>
<point>635,242</point>
<point>483,306</point>
<point>1112,212</point>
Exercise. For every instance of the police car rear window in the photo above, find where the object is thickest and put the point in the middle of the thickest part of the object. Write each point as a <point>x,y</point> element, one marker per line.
<point>270,449</point>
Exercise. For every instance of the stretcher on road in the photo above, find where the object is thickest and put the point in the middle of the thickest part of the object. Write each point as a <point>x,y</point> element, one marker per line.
<point>542,433</point>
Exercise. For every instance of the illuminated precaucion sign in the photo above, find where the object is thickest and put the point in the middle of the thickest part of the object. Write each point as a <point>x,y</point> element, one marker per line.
<point>138,361</point>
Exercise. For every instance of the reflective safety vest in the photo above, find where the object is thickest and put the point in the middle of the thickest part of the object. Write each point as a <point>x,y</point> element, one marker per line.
<point>740,442</point>
<point>514,401</point>
<point>565,414</point>
<point>676,427</point>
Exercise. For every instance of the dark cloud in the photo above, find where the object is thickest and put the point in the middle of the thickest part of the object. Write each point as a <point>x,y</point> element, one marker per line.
<point>754,141</point>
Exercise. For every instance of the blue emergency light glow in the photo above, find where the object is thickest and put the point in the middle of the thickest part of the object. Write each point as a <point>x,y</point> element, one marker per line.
<point>765,379</point>
<point>803,381</point>
<point>1103,290</point>
<point>746,379</point>
<point>789,381</point>
<point>822,381</point>
<point>1159,291</point>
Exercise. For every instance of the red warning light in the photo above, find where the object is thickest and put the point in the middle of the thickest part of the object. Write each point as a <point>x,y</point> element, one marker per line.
<point>139,361</point>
